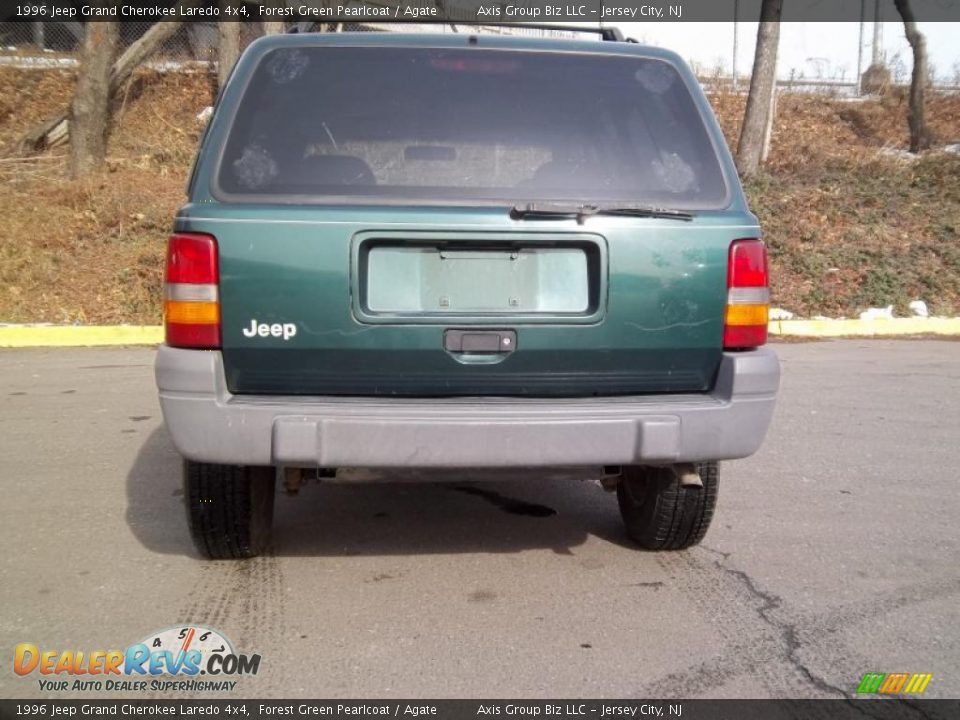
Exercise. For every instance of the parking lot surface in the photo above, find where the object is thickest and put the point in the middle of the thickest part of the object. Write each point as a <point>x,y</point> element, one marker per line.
<point>833,552</point>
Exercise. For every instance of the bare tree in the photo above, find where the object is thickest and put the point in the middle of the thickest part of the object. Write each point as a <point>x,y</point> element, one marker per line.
<point>229,48</point>
<point>54,130</point>
<point>762,84</point>
<point>919,135</point>
<point>90,109</point>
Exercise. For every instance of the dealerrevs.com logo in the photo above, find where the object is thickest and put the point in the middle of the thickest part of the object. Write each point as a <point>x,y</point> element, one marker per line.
<point>188,658</point>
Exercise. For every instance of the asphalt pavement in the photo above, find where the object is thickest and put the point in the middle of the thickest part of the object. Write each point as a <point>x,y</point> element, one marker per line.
<point>834,552</point>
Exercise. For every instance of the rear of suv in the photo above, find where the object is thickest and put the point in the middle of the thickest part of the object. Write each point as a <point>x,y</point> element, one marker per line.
<point>463,251</point>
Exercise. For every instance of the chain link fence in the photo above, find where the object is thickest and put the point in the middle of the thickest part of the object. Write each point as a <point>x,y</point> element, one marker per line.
<point>193,41</point>
<point>54,44</point>
<point>198,40</point>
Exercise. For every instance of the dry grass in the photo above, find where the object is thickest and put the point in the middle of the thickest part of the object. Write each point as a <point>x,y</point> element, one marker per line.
<point>877,233</point>
<point>88,251</point>
<point>849,226</point>
<point>91,251</point>
<point>811,130</point>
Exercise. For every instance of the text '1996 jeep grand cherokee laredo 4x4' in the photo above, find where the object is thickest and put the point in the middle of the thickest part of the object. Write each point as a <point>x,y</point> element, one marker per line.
<point>463,251</point>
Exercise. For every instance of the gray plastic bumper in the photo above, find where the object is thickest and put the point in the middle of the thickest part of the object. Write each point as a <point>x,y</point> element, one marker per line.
<point>209,424</point>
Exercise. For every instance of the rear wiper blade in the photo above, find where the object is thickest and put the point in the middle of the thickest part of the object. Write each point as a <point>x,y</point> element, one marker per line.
<point>582,212</point>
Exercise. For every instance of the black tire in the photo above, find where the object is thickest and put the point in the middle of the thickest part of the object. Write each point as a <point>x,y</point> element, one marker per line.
<point>660,513</point>
<point>229,508</point>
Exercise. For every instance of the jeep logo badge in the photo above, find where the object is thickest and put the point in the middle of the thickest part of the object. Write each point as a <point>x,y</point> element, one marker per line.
<point>277,330</point>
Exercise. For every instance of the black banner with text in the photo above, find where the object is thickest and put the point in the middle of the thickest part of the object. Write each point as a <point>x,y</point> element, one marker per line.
<point>486,709</point>
<point>585,12</point>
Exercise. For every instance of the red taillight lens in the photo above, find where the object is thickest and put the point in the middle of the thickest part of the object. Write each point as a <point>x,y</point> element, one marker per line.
<point>192,296</point>
<point>192,258</point>
<point>748,264</point>
<point>740,337</point>
<point>197,337</point>
<point>748,295</point>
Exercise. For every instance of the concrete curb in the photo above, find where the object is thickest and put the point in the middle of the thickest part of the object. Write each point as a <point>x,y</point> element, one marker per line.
<point>882,327</point>
<point>23,336</point>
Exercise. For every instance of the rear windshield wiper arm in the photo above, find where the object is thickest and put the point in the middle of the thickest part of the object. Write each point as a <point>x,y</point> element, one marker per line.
<point>582,212</point>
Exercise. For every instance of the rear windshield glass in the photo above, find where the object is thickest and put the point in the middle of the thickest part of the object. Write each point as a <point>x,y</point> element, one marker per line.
<point>472,124</point>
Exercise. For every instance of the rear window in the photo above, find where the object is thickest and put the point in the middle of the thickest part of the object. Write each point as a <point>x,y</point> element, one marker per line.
<point>428,124</point>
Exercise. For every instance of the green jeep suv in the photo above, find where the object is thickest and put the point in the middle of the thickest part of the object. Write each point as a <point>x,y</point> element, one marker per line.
<point>463,251</point>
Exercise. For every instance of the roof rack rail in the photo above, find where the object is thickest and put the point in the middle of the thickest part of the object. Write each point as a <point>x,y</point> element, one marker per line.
<point>609,34</point>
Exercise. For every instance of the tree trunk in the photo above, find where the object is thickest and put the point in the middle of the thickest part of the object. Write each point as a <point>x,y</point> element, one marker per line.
<point>90,109</point>
<point>919,135</point>
<point>53,130</point>
<point>143,48</point>
<point>228,50</point>
<point>761,88</point>
<point>771,119</point>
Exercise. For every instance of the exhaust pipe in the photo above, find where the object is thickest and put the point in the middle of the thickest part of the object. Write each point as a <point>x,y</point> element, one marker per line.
<point>610,477</point>
<point>688,475</point>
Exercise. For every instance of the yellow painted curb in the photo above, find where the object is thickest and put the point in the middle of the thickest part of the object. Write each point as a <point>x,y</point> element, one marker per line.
<point>884,327</point>
<point>22,336</point>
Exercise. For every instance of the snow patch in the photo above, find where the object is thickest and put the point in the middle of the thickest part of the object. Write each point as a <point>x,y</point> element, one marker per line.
<point>780,314</point>
<point>878,313</point>
<point>919,309</point>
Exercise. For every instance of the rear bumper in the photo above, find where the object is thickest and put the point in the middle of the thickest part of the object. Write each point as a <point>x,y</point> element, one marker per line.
<point>209,424</point>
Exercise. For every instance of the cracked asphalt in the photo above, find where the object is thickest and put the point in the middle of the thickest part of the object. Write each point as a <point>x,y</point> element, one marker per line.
<point>833,552</point>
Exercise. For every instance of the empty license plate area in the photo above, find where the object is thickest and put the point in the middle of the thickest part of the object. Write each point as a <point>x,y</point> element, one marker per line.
<point>437,281</point>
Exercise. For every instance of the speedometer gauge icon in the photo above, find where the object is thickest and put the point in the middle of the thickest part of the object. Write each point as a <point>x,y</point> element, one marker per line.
<point>181,639</point>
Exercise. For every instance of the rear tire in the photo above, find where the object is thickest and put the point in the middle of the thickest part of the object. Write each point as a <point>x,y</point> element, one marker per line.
<point>662,514</point>
<point>229,508</point>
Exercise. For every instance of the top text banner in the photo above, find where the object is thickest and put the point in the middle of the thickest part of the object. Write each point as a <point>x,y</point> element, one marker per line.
<point>583,12</point>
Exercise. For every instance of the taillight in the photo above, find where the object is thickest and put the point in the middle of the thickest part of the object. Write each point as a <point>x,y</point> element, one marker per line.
<point>191,308</point>
<point>748,295</point>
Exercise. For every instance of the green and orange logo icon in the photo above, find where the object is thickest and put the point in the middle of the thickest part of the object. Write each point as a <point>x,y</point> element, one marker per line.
<point>894,683</point>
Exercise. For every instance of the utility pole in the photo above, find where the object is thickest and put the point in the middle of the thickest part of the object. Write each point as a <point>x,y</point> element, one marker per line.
<point>736,13</point>
<point>863,13</point>
<point>877,33</point>
<point>38,36</point>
